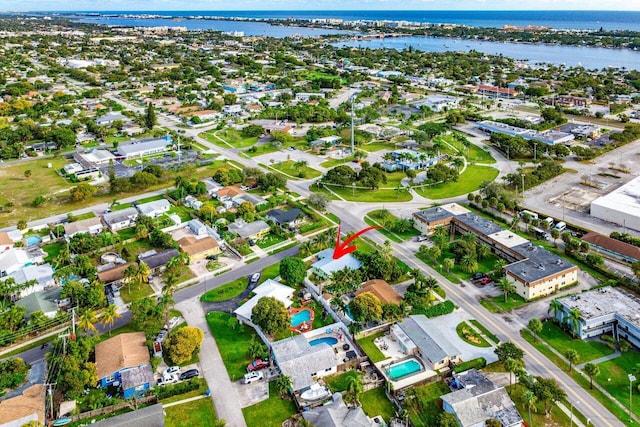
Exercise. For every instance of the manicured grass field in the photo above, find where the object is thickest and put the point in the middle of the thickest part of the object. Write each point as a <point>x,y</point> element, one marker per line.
<point>371,349</point>
<point>614,377</point>
<point>232,136</point>
<point>513,301</point>
<point>150,199</point>
<point>52,250</point>
<point>473,153</point>
<point>468,182</point>
<point>270,240</point>
<point>270,272</point>
<point>470,336</point>
<point>362,195</point>
<point>383,217</point>
<point>226,291</point>
<point>233,343</point>
<point>195,413</point>
<point>376,146</point>
<point>374,402</point>
<point>136,292</point>
<point>340,382</point>
<point>561,341</point>
<point>289,168</point>
<point>335,162</point>
<point>394,179</point>
<point>271,412</point>
<point>127,233</point>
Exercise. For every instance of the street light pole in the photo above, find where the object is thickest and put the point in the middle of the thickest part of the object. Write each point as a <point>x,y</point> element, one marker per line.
<point>522,185</point>
<point>632,378</point>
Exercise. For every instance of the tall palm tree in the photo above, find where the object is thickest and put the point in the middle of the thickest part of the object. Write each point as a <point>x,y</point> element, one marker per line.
<point>306,247</point>
<point>556,307</point>
<point>87,320</point>
<point>166,303</point>
<point>142,275</point>
<point>506,287</point>
<point>129,274</point>
<point>109,315</point>
<point>530,399</point>
<point>469,263</point>
<point>355,388</point>
<point>574,317</point>
<point>283,384</point>
<point>499,265</point>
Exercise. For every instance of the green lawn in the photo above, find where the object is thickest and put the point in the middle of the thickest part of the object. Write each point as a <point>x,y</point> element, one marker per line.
<point>473,153</point>
<point>470,336</point>
<point>200,413</point>
<point>513,301</point>
<point>270,272</point>
<point>335,162</point>
<point>232,343</point>
<point>86,215</point>
<point>290,168</point>
<point>374,402</point>
<point>226,291</point>
<point>362,195</point>
<point>422,404</point>
<point>150,199</point>
<point>561,341</point>
<point>383,217</point>
<point>556,416</point>
<point>371,349</point>
<point>136,293</point>
<point>202,388</point>
<point>182,211</point>
<point>121,206</point>
<point>271,412</point>
<point>299,143</point>
<point>270,240</point>
<point>614,377</point>
<point>340,382</point>
<point>394,179</point>
<point>485,331</point>
<point>127,233</point>
<point>429,261</point>
<point>376,146</point>
<point>231,136</point>
<point>52,250</point>
<point>468,182</point>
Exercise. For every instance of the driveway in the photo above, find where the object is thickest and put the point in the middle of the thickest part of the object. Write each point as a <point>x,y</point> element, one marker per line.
<point>250,394</point>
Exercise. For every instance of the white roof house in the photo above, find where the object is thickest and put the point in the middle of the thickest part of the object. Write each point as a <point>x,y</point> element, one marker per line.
<point>89,225</point>
<point>269,288</point>
<point>42,274</point>
<point>154,209</point>
<point>13,260</point>
<point>326,265</point>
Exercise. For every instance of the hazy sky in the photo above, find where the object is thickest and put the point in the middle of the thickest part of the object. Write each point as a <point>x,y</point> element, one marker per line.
<point>24,5</point>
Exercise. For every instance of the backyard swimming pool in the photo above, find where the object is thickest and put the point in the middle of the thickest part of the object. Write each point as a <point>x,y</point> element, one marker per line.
<point>327,340</point>
<point>300,317</point>
<point>33,240</point>
<point>404,369</point>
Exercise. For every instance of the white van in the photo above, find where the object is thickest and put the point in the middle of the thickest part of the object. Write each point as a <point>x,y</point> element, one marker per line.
<point>547,222</point>
<point>560,226</point>
<point>532,215</point>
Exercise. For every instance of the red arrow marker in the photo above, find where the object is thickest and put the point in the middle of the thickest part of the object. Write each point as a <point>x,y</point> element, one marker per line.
<point>343,248</point>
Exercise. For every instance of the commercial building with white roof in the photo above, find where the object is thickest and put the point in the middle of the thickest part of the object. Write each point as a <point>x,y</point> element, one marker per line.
<point>144,147</point>
<point>621,206</point>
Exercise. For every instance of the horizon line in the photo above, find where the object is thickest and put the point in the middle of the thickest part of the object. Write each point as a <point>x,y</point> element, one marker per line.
<point>324,10</point>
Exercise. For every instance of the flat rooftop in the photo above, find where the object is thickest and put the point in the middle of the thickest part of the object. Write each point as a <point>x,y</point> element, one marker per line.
<point>508,238</point>
<point>605,301</point>
<point>624,199</point>
<point>484,226</point>
<point>538,263</point>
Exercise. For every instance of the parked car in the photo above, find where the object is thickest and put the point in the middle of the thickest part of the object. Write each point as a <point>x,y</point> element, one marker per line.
<point>421,238</point>
<point>253,377</point>
<point>162,335</point>
<point>173,322</point>
<point>257,364</point>
<point>171,370</point>
<point>212,257</point>
<point>189,374</point>
<point>478,276</point>
<point>485,280</point>
<point>168,379</point>
<point>254,279</point>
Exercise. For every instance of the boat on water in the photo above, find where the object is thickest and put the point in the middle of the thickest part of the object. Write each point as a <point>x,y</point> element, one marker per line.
<point>62,421</point>
<point>315,392</point>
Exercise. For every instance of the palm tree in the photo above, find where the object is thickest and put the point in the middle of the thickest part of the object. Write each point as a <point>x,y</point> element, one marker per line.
<point>506,287</point>
<point>283,384</point>
<point>165,303</point>
<point>556,307</point>
<point>572,356</point>
<point>355,388</point>
<point>592,371</point>
<point>130,273</point>
<point>109,315</point>
<point>530,399</point>
<point>306,247</point>
<point>499,265</point>
<point>468,263</point>
<point>87,320</point>
<point>448,263</point>
<point>574,317</point>
<point>142,275</point>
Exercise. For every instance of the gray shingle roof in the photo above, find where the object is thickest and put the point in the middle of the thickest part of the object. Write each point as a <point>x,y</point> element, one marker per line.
<point>134,377</point>
<point>431,342</point>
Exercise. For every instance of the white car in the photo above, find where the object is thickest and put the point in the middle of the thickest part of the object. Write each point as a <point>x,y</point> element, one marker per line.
<point>253,377</point>
<point>168,379</point>
<point>170,371</point>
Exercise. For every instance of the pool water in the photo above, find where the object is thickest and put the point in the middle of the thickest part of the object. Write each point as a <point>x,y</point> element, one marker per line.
<point>403,369</point>
<point>300,317</point>
<point>327,340</point>
<point>33,240</point>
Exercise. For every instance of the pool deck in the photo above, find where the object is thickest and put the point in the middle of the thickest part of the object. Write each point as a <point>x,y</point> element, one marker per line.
<point>391,349</point>
<point>304,326</point>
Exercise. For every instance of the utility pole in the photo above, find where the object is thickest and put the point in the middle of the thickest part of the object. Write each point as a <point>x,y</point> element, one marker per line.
<point>353,149</point>
<point>50,393</point>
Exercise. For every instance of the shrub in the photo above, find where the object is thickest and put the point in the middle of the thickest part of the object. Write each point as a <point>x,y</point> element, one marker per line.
<point>440,309</point>
<point>178,388</point>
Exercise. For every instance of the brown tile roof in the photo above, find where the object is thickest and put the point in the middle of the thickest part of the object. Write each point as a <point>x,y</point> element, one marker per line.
<point>5,239</point>
<point>122,351</point>
<point>31,401</point>
<point>382,290</point>
<point>612,245</point>
<point>230,192</point>
<point>113,274</point>
<point>193,246</point>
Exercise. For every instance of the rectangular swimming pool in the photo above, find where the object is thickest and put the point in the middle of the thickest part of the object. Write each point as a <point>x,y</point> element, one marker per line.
<point>404,369</point>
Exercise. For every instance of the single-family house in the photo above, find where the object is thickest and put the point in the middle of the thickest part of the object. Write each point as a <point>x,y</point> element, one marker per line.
<point>41,277</point>
<point>251,230</point>
<point>325,266</point>
<point>136,381</point>
<point>118,220</point>
<point>254,199</point>
<point>13,260</point>
<point>212,186</point>
<point>89,225</point>
<point>144,147</point>
<point>155,208</point>
<point>416,337</point>
<point>270,288</point>
<point>28,407</point>
<point>198,228</point>
<point>109,118</point>
<point>302,362</point>
<point>381,290</point>
<point>45,301</point>
<point>286,218</point>
<point>158,260</point>
<point>198,248</point>
<point>118,354</point>
<point>478,399</point>
<point>337,414</point>
<point>114,275</point>
<point>192,202</point>
<point>228,193</point>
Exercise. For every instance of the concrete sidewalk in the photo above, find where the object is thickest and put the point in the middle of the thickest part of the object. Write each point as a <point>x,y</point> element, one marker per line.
<point>225,398</point>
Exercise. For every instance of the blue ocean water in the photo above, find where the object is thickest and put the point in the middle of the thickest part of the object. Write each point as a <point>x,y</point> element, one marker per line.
<point>608,20</point>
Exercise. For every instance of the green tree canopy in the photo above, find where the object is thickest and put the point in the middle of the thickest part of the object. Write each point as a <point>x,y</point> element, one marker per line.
<point>183,344</point>
<point>292,271</point>
<point>270,315</point>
